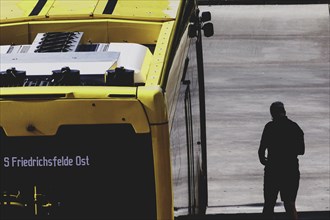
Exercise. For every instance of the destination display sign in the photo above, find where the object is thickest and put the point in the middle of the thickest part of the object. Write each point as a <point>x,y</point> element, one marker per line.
<point>61,161</point>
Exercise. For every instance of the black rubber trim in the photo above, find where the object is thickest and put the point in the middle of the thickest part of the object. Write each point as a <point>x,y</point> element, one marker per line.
<point>121,96</point>
<point>34,96</point>
<point>110,7</point>
<point>36,10</point>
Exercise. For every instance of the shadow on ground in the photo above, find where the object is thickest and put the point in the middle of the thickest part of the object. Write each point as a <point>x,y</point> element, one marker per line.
<point>321,215</point>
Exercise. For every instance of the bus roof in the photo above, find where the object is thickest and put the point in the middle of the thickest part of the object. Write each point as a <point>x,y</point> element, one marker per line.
<point>27,10</point>
<point>101,21</point>
<point>138,35</point>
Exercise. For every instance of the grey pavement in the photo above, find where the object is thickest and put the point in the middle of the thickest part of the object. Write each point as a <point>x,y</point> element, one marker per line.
<point>261,54</point>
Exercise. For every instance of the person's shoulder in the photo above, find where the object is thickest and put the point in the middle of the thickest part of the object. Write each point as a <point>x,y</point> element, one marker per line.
<point>269,124</point>
<point>294,124</point>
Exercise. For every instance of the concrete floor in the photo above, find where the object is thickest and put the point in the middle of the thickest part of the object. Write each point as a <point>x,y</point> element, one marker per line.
<point>258,55</point>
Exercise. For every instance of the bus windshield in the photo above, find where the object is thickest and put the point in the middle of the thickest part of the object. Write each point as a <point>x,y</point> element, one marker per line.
<point>83,172</point>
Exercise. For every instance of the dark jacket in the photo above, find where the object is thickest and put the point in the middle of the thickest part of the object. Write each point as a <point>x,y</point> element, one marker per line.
<point>284,141</point>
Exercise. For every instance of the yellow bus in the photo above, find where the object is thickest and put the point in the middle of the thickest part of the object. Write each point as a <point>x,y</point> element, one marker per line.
<point>102,109</point>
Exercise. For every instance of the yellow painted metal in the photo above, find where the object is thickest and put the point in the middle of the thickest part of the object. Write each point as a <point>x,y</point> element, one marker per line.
<point>11,8</point>
<point>19,30</point>
<point>79,92</point>
<point>146,8</point>
<point>163,174</point>
<point>134,31</point>
<point>47,115</point>
<point>175,75</point>
<point>72,7</point>
<point>97,30</point>
<point>153,100</point>
<point>16,114</point>
<point>146,64</point>
<point>19,10</point>
<point>175,33</point>
<point>161,51</point>
<point>100,7</point>
<point>150,22</point>
<point>102,31</point>
<point>106,30</point>
<point>15,8</point>
<point>155,10</point>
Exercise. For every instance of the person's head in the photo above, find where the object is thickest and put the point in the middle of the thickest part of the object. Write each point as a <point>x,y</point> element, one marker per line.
<point>277,110</point>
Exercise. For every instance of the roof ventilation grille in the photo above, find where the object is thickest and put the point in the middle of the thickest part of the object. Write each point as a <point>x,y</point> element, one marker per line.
<point>56,42</point>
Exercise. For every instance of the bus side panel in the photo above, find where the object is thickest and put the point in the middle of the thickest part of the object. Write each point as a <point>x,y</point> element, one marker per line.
<point>175,104</point>
<point>185,132</point>
<point>194,136</point>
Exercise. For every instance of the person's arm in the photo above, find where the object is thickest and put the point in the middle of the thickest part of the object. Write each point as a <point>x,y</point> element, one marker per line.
<point>263,147</point>
<point>301,143</point>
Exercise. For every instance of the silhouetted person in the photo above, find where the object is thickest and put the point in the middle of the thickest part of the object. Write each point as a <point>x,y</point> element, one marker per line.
<point>283,140</point>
